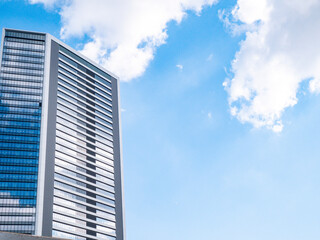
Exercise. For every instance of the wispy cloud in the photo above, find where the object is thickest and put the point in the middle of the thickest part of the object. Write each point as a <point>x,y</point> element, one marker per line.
<point>209,58</point>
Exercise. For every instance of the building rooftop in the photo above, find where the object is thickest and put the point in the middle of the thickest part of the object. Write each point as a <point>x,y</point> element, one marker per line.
<point>17,236</point>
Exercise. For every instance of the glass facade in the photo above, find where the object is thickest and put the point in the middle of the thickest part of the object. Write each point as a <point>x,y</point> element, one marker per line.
<point>21,80</point>
<point>84,191</point>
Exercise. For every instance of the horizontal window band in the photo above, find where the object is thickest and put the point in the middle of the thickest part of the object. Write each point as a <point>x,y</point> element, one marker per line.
<point>76,131</point>
<point>7,64</point>
<point>21,114</point>
<point>108,115</point>
<point>22,106</point>
<point>19,92</point>
<point>22,59</point>
<point>15,214</point>
<point>87,183</point>
<point>86,154</point>
<point>20,118</point>
<point>96,172</point>
<point>95,85</point>
<point>20,86</point>
<point>75,117</point>
<point>10,77</point>
<point>94,132</point>
<point>83,92</point>
<point>24,49</point>
<point>99,170</point>
<point>24,35</point>
<point>16,223</point>
<point>109,161</point>
<point>87,95</point>
<point>25,97</point>
<point>17,165</point>
<point>86,219</point>
<point>21,68</point>
<point>57,185</point>
<point>19,172</point>
<point>95,97</point>
<point>72,235</point>
<point>74,113</point>
<point>66,90</point>
<point>77,75</point>
<point>63,134</point>
<point>19,149</point>
<point>56,194</point>
<point>20,54</point>
<point>19,133</point>
<point>20,197</point>
<point>77,172</point>
<point>16,127</point>
<point>84,227</point>
<point>18,178</point>
<point>83,65</point>
<point>74,190</point>
<point>13,38</point>
<point>81,109</point>
<point>21,73</point>
<point>17,141</point>
<point>82,208</point>
<point>107,167</point>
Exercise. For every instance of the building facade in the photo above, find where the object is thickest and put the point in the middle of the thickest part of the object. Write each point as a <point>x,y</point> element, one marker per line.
<point>60,146</point>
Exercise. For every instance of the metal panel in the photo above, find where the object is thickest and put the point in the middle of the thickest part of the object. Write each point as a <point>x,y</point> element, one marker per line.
<point>50,146</point>
<point>118,172</point>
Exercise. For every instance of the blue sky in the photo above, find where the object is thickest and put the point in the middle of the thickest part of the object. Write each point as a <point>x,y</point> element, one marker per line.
<point>202,160</point>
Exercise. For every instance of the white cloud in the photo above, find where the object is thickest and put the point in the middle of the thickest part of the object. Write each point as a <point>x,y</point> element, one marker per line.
<point>314,85</point>
<point>209,58</point>
<point>124,33</point>
<point>179,66</point>
<point>249,11</point>
<point>47,3</point>
<point>209,115</point>
<point>281,49</point>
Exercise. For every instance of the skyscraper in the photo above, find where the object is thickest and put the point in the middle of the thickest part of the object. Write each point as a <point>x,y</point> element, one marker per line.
<point>60,148</point>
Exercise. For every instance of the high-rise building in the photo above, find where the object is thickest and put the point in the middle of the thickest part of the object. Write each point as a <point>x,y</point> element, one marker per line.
<point>60,147</point>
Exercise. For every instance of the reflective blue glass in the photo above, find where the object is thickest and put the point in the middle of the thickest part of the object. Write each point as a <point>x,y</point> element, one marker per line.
<point>21,80</point>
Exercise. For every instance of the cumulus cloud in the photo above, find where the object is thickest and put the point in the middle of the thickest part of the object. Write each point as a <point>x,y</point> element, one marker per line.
<point>124,34</point>
<point>280,50</point>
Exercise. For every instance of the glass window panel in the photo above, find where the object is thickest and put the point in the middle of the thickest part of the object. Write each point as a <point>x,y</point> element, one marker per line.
<point>21,89</point>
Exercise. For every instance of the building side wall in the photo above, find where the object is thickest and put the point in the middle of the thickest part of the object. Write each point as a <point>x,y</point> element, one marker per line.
<point>118,161</point>
<point>2,41</point>
<point>51,139</point>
